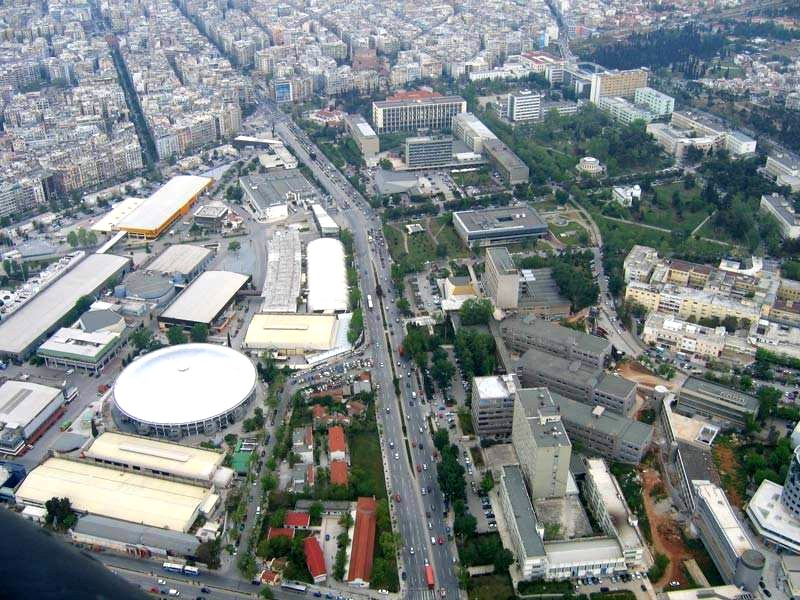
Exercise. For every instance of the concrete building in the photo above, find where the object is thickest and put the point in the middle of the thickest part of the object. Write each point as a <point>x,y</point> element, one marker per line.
<point>676,141</point>
<point>607,503</point>
<point>625,195</point>
<point>118,494</point>
<point>292,334</point>
<point>168,204</point>
<point>623,111</point>
<point>657,102</point>
<point>723,405</point>
<point>269,195</point>
<point>26,410</point>
<point>303,444</point>
<point>720,592</point>
<point>540,296</point>
<point>211,216</point>
<point>492,226</point>
<point>617,83</point>
<point>639,263</point>
<point>428,151</point>
<point>589,165</point>
<point>524,106</point>
<point>608,434</point>
<point>725,538</point>
<point>204,300</point>
<point>522,525</point>
<point>471,130</point>
<point>365,138</point>
<point>524,333</point>
<point>29,325</point>
<point>410,114</point>
<point>789,572</point>
<point>784,168</point>
<point>511,167</point>
<point>181,263</point>
<point>501,278</point>
<point>541,443</point>
<point>683,336</point>
<point>493,405</point>
<point>784,212</point>
<point>326,225</point>
<point>88,350</point>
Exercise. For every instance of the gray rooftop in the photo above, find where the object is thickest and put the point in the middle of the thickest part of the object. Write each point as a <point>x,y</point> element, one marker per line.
<point>698,463</point>
<point>284,272</point>
<point>501,259</point>
<point>564,335</point>
<point>179,258</point>
<point>541,288</point>
<point>615,385</point>
<point>612,424</point>
<point>523,510</point>
<point>416,101</point>
<point>721,394</point>
<point>542,416</point>
<point>500,219</point>
<point>95,320</point>
<point>579,373</point>
<point>504,154</point>
<point>181,544</point>
<point>276,187</point>
<point>205,297</point>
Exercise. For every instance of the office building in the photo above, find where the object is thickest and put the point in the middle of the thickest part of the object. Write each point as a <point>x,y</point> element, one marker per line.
<point>617,83</point>
<point>523,333</point>
<point>784,168</point>
<point>365,138</point>
<point>656,102</point>
<point>774,510</point>
<point>501,278</point>
<point>428,111</point>
<point>493,405</point>
<point>725,538</point>
<point>784,212</point>
<point>540,296</point>
<point>211,216</point>
<point>470,130</point>
<point>639,263</point>
<point>607,503</point>
<point>510,166</point>
<point>89,345</point>
<point>541,443</point>
<point>723,405</point>
<point>524,106</point>
<point>623,111</point>
<point>428,151</point>
<point>522,525</point>
<point>683,336</point>
<point>492,226</point>
<point>609,434</point>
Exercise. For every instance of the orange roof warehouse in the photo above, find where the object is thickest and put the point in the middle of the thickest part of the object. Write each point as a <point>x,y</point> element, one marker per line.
<point>168,204</point>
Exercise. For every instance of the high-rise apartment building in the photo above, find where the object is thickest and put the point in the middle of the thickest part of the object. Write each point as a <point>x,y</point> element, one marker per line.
<point>617,83</point>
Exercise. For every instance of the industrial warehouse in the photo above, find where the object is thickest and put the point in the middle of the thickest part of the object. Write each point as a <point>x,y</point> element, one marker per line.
<point>294,334</point>
<point>327,276</point>
<point>204,299</point>
<point>173,200</point>
<point>30,324</point>
<point>187,389</point>
<point>26,409</point>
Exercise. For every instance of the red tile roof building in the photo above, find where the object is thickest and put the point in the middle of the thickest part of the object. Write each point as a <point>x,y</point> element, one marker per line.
<point>363,542</point>
<point>275,532</point>
<point>337,446</point>
<point>338,472</point>
<point>297,520</point>
<point>314,559</point>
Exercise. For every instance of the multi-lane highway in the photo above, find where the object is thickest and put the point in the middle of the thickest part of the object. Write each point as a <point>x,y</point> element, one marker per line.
<point>418,517</point>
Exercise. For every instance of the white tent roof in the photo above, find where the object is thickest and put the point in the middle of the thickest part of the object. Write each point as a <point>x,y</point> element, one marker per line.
<point>327,277</point>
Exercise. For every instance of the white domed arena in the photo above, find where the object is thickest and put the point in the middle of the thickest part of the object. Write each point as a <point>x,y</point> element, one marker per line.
<point>187,389</point>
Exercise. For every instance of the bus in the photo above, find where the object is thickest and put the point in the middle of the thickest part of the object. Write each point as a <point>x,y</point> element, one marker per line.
<point>369,301</point>
<point>173,567</point>
<point>193,571</point>
<point>293,586</point>
<point>70,394</point>
<point>429,577</point>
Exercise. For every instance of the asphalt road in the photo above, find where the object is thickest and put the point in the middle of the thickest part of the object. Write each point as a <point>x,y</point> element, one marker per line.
<point>402,422</point>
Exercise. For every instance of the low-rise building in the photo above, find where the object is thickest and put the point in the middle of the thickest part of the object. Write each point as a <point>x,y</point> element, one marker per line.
<point>726,406</point>
<point>211,216</point>
<point>359,569</point>
<point>337,444</point>
<point>625,112</point>
<point>303,444</point>
<point>625,195</point>
<point>784,212</point>
<point>204,300</point>
<point>493,405</point>
<point>365,138</point>
<point>540,296</point>
<point>522,525</point>
<point>589,165</point>
<point>26,410</point>
<point>657,102</point>
<point>492,226</point>
<point>181,263</point>
<point>784,168</point>
<point>682,336</point>
<point>89,345</point>
<point>639,263</point>
<point>510,166</point>
<point>315,560</point>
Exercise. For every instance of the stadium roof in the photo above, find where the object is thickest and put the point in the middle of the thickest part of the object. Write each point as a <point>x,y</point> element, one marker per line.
<point>157,455</point>
<point>115,493</point>
<point>363,540</point>
<point>292,331</point>
<point>205,297</point>
<point>327,278</point>
<point>165,203</point>
<point>184,384</point>
<point>22,401</point>
<point>32,321</point>
<point>179,258</point>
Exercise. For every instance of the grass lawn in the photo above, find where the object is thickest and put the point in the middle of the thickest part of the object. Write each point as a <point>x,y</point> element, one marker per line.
<point>446,234</point>
<point>465,420</point>
<point>491,587</point>
<point>575,233</point>
<point>394,239</point>
<point>365,454</point>
<point>660,212</point>
<point>420,245</point>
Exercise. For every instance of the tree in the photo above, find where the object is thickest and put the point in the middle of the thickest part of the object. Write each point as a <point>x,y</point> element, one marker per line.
<point>266,593</point>
<point>60,515</point>
<point>175,335</point>
<point>315,512</point>
<point>476,311</point>
<point>141,338</point>
<point>72,239</point>
<point>488,482</point>
<point>199,333</point>
<point>234,246</point>
<point>95,433</point>
<point>208,554</point>
<point>403,306</point>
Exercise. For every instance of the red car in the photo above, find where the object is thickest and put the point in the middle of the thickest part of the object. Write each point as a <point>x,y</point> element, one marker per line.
<point>440,540</point>
<point>397,497</point>
<point>419,468</point>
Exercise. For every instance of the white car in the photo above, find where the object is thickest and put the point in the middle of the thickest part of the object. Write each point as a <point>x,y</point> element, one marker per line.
<point>397,456</point>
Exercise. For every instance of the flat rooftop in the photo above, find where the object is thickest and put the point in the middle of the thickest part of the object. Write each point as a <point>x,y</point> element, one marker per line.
<point>502,259</point>
<point>205,297</point>
<point>308,332</point>
<point>116,494</point>
<point>22,401</point>
<point>150,453</point>
<point>562,335</point>
<point>542,417</point>
<point>524,516</point>
<point>411,101</point>
<point>179,258</point>
<point>726,521</point>
<point>168,200</point>
<point>494,386</point>
<point>284,272</point>
<point>548,363</point>
<point>598,549</point>
<point>500,219</point>
<point>29,323</point>
<point>276,187</point>
<point>628,431</point>
<point>720,394</point>
<point>614,501</point>
<point>72,343</point>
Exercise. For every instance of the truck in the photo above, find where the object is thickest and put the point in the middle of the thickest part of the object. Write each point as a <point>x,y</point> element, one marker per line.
<point>429,577</point>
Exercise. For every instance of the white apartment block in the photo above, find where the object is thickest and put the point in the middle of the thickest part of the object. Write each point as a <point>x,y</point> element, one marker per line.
<point>657,102</point>
<point>623,111</point>
<point>471,130</point>
<point>683,336</point>
<point>524,106</point>
<point>639,263</point>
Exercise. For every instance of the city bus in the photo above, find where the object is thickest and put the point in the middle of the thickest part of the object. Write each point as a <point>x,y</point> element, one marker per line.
<point>293,586</point>
<point>429,577</point>
<point>173,567</point>
<point>193,571</point>
<point>369,301</point>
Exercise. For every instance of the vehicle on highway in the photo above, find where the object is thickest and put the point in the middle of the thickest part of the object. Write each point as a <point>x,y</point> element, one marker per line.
<point>429,577</point>
<point>293,586</point>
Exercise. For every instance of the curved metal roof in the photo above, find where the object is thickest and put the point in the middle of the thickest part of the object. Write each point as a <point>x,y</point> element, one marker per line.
<point>327,277</point>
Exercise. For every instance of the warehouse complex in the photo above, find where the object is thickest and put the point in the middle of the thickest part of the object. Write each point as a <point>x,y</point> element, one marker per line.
<point>25,409</point>
<point>327,276</point>
<point>293,334</point>
<point>181,263</point>
<point>173,200</point>
<point>187,389</point>
<point>118,494</point>
<point>29,325</point>
<point>281,291</point>
<point>204,300</point>
<point>270,194</point>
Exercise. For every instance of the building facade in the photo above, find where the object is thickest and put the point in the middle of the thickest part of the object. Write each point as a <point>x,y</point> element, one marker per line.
<point>501,278</point>
<point>493,405</point>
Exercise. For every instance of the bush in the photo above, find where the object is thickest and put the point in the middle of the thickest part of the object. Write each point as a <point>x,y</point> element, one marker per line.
<point>659,567</point>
